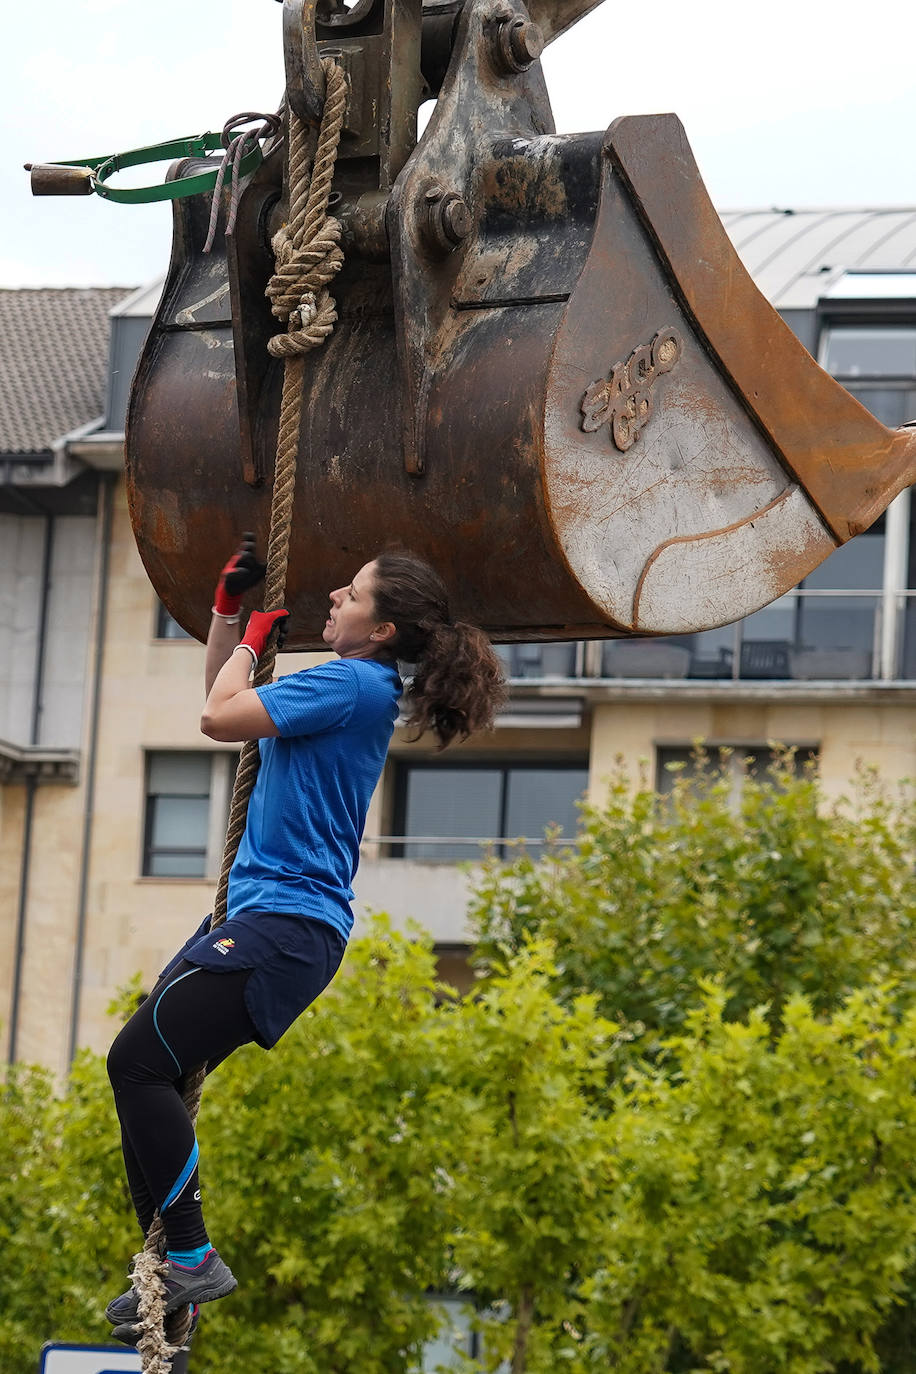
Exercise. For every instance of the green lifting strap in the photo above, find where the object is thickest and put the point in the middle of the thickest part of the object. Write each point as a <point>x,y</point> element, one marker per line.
<point>104,167</point>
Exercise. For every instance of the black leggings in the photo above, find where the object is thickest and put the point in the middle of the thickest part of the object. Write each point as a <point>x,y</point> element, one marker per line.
<point>193,1018</point>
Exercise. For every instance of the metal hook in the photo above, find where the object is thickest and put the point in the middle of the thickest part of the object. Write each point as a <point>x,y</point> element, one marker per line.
<point>305,86</point>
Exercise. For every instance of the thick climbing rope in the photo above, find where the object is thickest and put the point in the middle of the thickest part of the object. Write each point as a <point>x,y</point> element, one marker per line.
<point>308,257</point>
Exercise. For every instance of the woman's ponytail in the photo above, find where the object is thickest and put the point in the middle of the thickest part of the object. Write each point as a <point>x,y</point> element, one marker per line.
<point>458,683</point>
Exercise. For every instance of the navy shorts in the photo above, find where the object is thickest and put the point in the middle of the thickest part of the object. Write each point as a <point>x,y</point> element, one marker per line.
<point>292,960</point>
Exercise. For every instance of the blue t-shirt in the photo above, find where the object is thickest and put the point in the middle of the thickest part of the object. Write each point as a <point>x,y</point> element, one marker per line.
<point>308,808</point>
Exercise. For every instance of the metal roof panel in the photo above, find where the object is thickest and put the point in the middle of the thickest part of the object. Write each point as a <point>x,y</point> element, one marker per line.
<point>795,255</point>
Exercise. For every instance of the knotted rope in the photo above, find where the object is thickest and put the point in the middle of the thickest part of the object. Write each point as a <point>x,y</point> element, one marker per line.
<point>308,256</point>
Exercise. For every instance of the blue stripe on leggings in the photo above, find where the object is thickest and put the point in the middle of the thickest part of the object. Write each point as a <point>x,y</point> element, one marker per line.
<point>183,1177</point>
<point>193,1157</point>
<point>156,1015</point>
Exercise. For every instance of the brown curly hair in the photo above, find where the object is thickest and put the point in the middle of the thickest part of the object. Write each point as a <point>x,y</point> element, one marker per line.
<point>458,682</point>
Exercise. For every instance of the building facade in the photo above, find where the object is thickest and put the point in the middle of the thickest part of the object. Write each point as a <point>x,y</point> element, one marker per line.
<point>113,806</point>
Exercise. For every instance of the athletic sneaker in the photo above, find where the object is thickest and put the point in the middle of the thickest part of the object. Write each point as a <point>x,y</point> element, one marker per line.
<point>207,1281</point>
<point>126,1308</point>
<point>129,1332</point>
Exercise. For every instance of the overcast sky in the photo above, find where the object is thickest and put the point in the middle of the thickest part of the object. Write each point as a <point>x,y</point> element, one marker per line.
<point>788,103</point>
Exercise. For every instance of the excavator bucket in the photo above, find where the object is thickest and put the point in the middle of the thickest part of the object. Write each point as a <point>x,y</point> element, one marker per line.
<point>550,375</point>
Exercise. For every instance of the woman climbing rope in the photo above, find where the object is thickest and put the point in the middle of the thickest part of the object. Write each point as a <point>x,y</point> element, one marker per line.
<point>324,734</point>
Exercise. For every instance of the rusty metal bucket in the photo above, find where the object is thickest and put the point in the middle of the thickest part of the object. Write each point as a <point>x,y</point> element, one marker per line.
<point>581,410</point>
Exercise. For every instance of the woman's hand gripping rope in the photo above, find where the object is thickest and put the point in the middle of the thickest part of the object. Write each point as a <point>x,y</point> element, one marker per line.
<point>243,571</point>
<point>258,631</point>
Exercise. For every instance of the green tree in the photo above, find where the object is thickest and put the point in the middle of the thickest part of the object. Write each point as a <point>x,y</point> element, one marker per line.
<point>25,1103</point>
<point>763,1219</point>
<point>777,893</point>
<point>621,1164</point>
<point>65,1221</point>
<point>429,1145</point>
<point>533,1168</point>
<point>387,1150</point>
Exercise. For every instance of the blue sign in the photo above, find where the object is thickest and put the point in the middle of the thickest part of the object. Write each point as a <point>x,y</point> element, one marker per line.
<point>61,1358</point>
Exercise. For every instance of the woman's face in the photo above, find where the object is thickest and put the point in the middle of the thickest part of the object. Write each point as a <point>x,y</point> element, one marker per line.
<point>352,628</point>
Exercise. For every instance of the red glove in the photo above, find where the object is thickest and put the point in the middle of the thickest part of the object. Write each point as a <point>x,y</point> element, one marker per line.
<point>243,571</point>
<point>257,631</point>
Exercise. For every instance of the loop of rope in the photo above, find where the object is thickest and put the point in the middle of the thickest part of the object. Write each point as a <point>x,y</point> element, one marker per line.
<point>311,256</point>
<point>307,248</point>
<point>236,148</point>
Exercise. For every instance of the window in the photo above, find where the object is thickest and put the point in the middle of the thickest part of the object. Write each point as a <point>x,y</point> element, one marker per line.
<point>166,627</point>
<point>540,660</point>
<point>877,363</point>
<point>743,760</point>
<point>854,351</point>
<point>187,805</point>
<point>453,812</point>
<point>455,1341</point>
<point>845,621</point>
<point>827,629</point>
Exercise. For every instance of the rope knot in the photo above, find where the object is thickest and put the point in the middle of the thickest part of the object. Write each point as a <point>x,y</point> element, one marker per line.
<point>303,265</point>
<point>307,248</point>
<point>306,332</point>
<point>306,311</point>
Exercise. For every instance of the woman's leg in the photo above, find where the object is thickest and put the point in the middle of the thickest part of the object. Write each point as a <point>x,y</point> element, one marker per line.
<point>191,1019</point>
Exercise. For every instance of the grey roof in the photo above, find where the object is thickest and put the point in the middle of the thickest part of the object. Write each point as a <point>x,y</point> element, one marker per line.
<point>797,256</point>
<point>53,362</point>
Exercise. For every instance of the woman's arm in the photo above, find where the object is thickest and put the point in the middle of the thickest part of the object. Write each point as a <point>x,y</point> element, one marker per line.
<point>233,710</point>
<point>243,571</point>
<point>222,638</point>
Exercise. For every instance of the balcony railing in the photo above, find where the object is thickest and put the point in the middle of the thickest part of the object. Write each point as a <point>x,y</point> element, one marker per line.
<point>805,636</point>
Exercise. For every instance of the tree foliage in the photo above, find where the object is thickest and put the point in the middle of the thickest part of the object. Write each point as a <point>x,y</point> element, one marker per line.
<point>64,1211</point>
<point>763,1178</point>
<point>660,1136</point>
<point>776,892</point>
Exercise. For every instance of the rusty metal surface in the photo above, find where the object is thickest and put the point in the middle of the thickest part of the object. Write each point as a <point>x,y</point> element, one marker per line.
<point>550,374</point>
<point>553,18</point>
<point>51,180</point>
<point>680,521</point>
<point>479,100</point>
<point>249,264</point>
<point>378,43</point>
<point>304,78</point>
<point>848,462</point>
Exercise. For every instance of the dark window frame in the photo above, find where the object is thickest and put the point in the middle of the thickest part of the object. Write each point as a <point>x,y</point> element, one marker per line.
<point>403,767</point>
<point>867,313</point>
<point>163,620</point>
<point>150,803</point>
<point>222,767</point>
<point>741,755</point>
